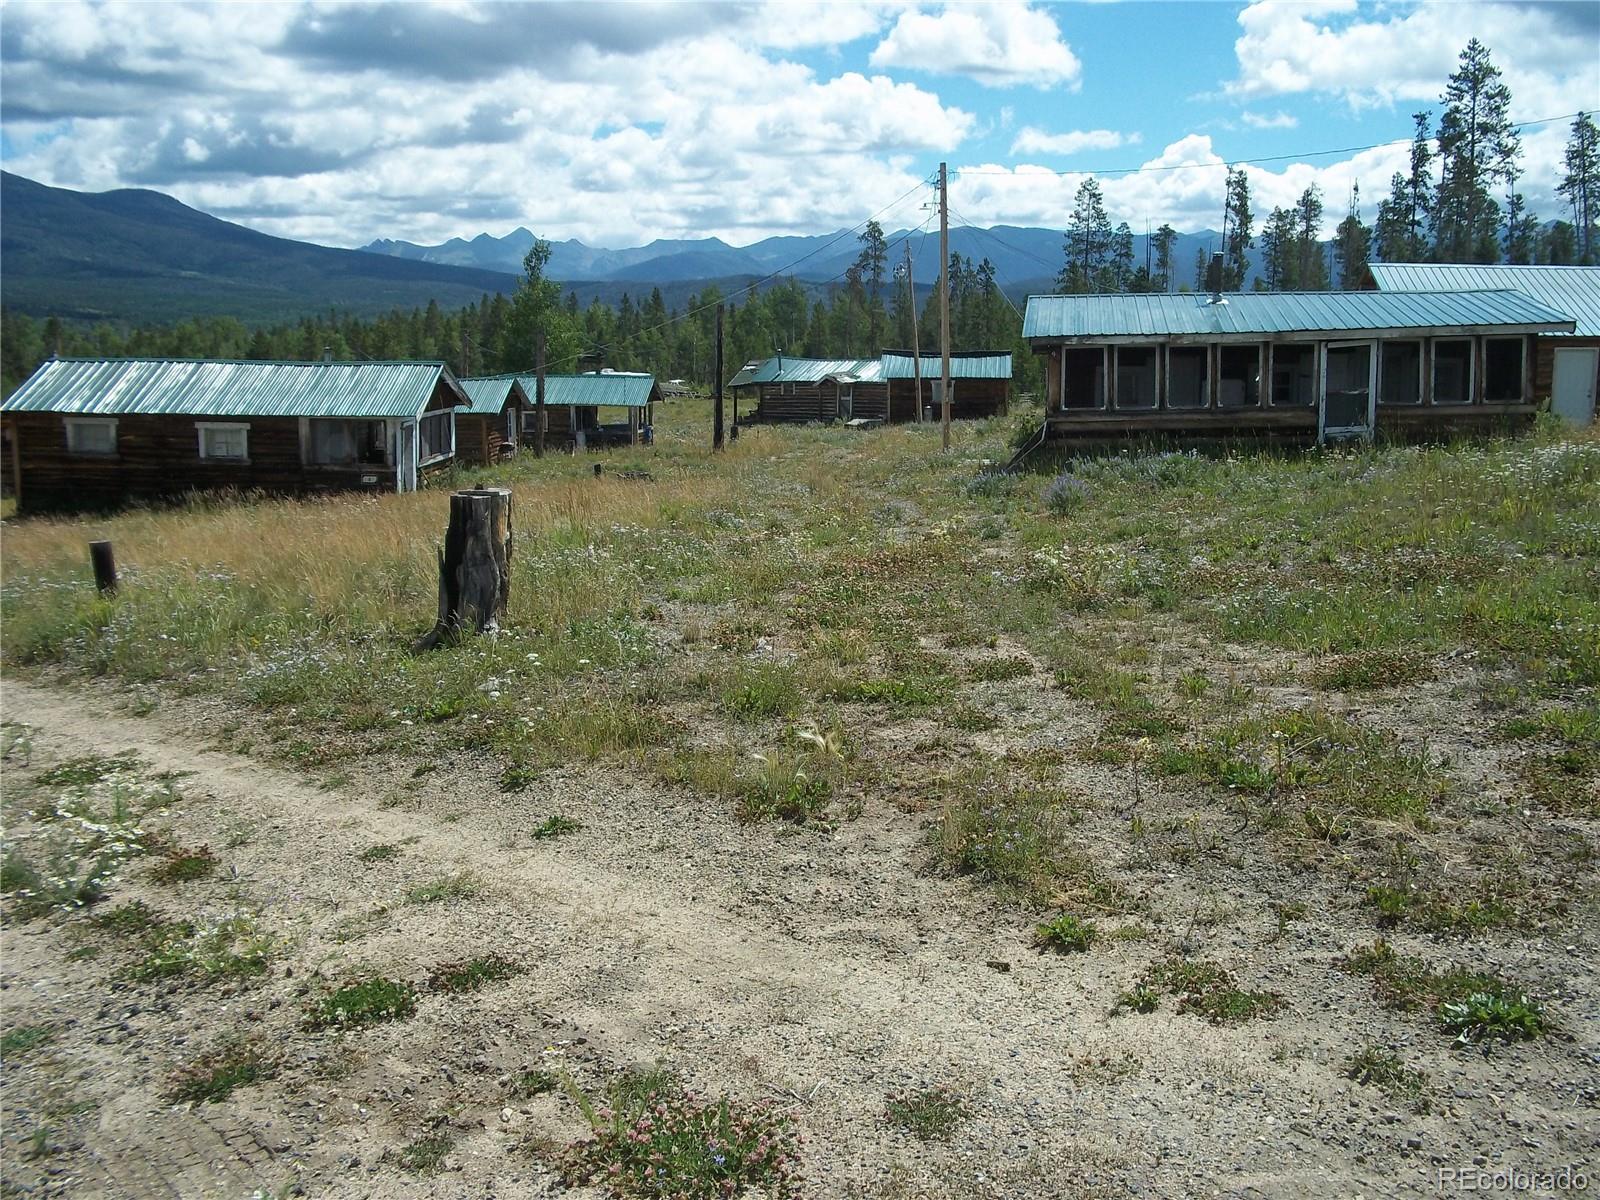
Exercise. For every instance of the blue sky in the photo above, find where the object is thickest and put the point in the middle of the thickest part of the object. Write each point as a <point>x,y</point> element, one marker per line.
<point>621,123</point>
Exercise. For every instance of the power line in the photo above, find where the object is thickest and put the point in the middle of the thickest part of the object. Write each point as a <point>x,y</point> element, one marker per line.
<point>1241,162</point>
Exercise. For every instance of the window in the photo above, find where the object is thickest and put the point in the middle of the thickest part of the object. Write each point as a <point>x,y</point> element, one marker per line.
<point>227,443</point>
<point>1239,383</point>
<point>1452,371</point>
<point>511,426</point>
<point>1400,373</point>
<point>788,389</point>
<point>91,435</point>
<point>438,432</point>
<point>1294,376</point>
<point>1187,382</point>
<point>1136,376</point>
<point>1502,370</point>
<point>1083,378</point>
<point>339,443</point>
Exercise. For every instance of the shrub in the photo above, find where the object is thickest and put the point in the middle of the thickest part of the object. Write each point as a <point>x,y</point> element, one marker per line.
<point>1065,493</point>
<point>1066,934</point>
<point>655,1138</point>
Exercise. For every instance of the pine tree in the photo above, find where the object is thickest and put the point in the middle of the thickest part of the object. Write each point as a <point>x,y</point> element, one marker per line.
<point>1558,245</point>
<point>1238,229</point>
<point>1280,251</point>
<point>872,263</point>
<point>1311,272</point>
<point>1581,186</point>
<point>1352,244</point>
<point>1121,263</point>
<point>1088,241</point>
<point>1478,147</point>
<point>1165,239</point>
<point>1522,230</point>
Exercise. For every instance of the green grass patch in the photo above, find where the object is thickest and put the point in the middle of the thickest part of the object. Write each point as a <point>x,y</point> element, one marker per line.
<point>1202,988</point>
<point>1372,670</point>
<point>25,1039</point>
<point>90,769</point>
<point>382,852</point>
<point>1470,1005</point>
<point>1387,1071</point>
<point>998,670</point>
<point>232,948</point>
<point>366,1002</point>
<point>473,974</point>
<point>425,1155</point>
<point>556,825</point>
<point>929,1114</point>
<point>449,887</point>
<point>185,866</point>
<point>218,1073</point>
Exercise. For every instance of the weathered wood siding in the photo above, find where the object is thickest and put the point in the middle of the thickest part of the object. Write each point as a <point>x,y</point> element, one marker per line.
<point>481,438</point>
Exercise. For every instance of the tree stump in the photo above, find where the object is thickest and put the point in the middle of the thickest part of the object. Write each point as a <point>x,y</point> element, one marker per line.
<point>474,565</point>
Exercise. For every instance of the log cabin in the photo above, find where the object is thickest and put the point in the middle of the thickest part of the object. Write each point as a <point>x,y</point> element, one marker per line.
<point>573,404</point>
<point>1295,366</point>
<point>86,433</point>
<point>791,390</point>
<point>491,428</point>
<point>1566,366</point>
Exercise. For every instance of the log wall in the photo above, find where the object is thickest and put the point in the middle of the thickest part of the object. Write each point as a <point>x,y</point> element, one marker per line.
<point>481,438</point>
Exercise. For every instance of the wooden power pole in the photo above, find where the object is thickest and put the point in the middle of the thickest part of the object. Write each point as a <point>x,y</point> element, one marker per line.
<point>538,394</point>
<point>944,305</point>
<point>716,432</point>
<point>916,347</point>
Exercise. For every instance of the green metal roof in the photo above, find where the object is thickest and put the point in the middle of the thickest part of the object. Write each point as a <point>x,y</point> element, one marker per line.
<point>746,375</point>
<point>607,389</point>
<point>786,368</point>
<point>215,388</point>
<point>1258,314</point>
<point>979,364</point>
<point>1574,291</point>
<point>490,396</point>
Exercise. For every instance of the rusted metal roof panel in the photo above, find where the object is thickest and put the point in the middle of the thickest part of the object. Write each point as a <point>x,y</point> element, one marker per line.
<point>1574,291</point>
<point>967,365</point>
<point>208,387</point>
<point>1269,313</point>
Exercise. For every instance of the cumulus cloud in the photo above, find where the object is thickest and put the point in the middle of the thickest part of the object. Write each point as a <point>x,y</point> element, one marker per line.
<point>999,45</point>
<point>1031,140</point>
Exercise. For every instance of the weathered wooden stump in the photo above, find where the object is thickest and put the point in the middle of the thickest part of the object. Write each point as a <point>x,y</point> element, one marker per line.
<point>105,567</point>
<point>474,565</point>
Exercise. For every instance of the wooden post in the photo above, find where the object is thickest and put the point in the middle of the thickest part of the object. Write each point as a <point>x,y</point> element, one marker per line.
<point>538,395</point>
<point>944,305</point>
<point>105,567</point>
<point>916,344</point>
<point>474,565</point>
<point>466,356</point>
<point>716,432</point>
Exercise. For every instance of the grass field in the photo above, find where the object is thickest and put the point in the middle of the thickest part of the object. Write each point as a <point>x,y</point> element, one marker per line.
<point>1204,727</point>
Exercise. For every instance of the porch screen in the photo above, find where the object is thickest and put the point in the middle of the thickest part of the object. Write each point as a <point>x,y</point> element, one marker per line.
<point>1294,376</point>
<point>1187,385</point>
<point>1452,372</point>
<point>1136,376</point>
<point>1502,370</point>
<point>1400,373</point>
<point>438,433</point>
<point>1240,377</point>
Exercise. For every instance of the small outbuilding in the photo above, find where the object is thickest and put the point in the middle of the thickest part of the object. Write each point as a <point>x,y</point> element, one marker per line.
<point>792,390</point>
<point>1566,366</point>
<point>96,433</point>
<point>575,407</point>
<point>491,428</point>
<point>1303,366</point>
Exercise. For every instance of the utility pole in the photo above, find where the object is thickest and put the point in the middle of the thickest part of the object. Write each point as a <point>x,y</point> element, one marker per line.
<point>916,349</point>
<point>538,394</point>
<point>466,358</point>
<point>944,305</point>
<point>716,434</point>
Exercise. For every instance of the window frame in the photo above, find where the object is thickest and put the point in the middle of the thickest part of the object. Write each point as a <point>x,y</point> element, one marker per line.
<point>1263,384</point>
<point>446,419</point>
<point>1424,371</point>
<point>71,424</point>
<point>1522,369</point>
<point>241,427</point>
<point>1154,351</point>
<point>1472,371</point>
<point>1206,404</point>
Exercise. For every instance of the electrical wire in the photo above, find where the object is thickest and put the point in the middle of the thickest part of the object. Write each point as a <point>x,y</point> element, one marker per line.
<point>1241,162</point>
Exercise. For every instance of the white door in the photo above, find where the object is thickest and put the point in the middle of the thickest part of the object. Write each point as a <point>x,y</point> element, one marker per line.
<point>1572,395</point>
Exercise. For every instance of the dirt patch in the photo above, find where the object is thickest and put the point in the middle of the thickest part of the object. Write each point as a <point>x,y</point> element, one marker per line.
<point>825,970</point>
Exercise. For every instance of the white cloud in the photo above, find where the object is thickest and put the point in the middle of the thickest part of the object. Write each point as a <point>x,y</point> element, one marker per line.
<point>1277,120</point>
<point>999,45</point>
<point>1031,140</point>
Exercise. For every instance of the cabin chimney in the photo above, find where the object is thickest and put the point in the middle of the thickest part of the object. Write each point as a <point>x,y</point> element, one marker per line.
<point>327,354</point>
<point>1214,278</point>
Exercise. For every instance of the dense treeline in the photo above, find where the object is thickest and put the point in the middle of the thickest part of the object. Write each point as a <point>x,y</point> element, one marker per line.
<point>1447,207</point>
<point>858,317</point>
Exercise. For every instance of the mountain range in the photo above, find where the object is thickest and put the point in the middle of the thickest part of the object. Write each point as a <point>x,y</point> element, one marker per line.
<point>141,257</point>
